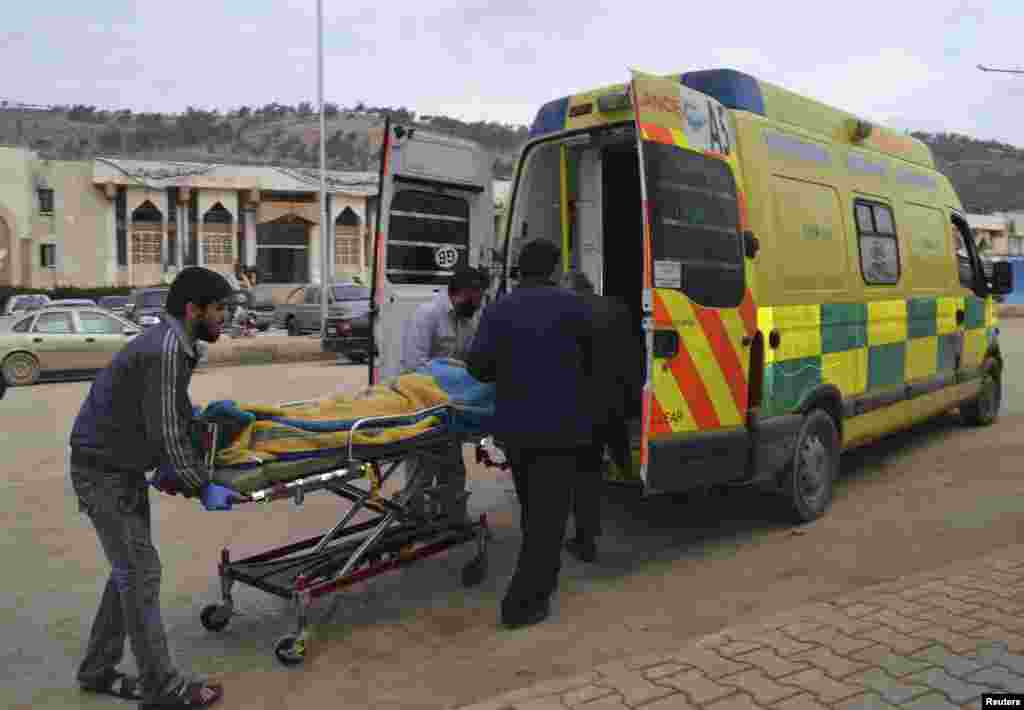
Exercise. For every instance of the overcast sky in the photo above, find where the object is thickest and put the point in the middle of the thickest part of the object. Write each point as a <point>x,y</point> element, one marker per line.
<point>910,65</point>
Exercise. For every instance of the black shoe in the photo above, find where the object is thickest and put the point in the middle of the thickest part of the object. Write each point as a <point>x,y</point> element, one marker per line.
<point>528,617</point>
<point>584,550</point>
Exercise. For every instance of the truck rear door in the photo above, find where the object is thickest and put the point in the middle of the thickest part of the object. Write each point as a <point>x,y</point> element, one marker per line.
<point>700,317</point>
<point>435,213</point>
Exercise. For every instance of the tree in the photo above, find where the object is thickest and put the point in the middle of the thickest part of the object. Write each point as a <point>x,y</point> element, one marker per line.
<point>330,110</point>
<point>305,109</point>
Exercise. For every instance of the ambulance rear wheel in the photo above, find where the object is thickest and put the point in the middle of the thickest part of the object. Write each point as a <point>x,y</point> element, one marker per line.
<point>808,480</point>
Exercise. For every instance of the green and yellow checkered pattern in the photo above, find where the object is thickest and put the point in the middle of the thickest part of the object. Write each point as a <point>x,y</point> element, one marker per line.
<point>868,347</point>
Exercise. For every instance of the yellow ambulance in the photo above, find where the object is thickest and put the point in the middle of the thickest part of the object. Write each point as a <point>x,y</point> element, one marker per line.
<point>802,280</point>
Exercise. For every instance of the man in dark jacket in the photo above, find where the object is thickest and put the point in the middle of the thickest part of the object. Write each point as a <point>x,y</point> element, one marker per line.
<point>611,396</point>
<point>136,418</point>
<point>535,344</point>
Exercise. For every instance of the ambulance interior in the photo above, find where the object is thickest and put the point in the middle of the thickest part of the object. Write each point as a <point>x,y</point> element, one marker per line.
<point>585,191</point>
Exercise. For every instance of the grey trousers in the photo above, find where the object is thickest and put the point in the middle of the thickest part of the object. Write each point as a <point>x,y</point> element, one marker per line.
<point>449,475</point>
<point>118,507</point>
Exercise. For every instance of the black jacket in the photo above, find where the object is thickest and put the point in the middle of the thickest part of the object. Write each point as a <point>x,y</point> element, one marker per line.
<point>536,344</point>
<point>138,414</point>
<point>618,355</point>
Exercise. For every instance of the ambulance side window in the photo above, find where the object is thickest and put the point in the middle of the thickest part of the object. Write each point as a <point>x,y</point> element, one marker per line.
<point>964,263</point>
<point>879,248</point>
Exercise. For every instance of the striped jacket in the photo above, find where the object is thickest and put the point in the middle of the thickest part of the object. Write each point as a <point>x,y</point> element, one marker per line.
<point>138,415</point>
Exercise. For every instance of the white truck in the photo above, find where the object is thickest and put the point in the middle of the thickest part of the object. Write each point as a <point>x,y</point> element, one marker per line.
<point>436,214</point>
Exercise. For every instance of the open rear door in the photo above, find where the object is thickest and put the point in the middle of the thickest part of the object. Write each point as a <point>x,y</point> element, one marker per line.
<point>700,317</point>
<point>435,213</point>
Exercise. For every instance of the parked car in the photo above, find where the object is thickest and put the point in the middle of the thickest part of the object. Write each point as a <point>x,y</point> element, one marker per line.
<point>25,302</point>
<point>115,304</point>
<point>61,341</point>
<point>349,336</point>
<point>146,306</point>
<point>71,303</point>
<point>301,312</point>
<point>261,309</point>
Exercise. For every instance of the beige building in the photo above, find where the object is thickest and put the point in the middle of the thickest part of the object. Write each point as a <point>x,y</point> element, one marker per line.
<point>114,222</point>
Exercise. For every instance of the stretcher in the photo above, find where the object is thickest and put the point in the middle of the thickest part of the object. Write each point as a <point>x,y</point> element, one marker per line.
<point>396,533</point>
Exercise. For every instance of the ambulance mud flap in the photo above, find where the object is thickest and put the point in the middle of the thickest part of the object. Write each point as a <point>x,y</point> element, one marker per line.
<point>771,445</point>
<point>682,462</point>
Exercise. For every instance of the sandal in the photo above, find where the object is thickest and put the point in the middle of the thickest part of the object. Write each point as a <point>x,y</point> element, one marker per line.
<point>191,694</point>
<point>116,684</point>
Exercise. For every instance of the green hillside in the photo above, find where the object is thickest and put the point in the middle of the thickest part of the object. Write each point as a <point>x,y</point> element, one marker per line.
<point>987,174</point>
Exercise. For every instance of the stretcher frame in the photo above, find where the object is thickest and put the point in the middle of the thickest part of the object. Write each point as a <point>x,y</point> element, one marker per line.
<point>348,553</point>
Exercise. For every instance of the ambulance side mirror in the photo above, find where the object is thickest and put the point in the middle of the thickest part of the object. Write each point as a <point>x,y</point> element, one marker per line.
<point>751,245</point>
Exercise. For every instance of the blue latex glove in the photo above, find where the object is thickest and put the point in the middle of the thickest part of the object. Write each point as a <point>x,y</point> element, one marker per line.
<point>166,480</point>
<point>216,497</point>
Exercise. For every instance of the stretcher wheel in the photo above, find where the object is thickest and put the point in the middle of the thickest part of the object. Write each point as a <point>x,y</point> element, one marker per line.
<point>474,571</point>
<point>290,650</point>
<point>214,617</point>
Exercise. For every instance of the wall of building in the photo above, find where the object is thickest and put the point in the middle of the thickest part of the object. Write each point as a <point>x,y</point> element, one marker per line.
<point>17,205</point>
<point>81,227</point>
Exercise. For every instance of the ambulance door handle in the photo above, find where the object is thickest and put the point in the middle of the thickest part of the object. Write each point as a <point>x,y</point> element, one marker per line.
<point>774,339</point>
<point>960,316</point>
<point>666,344</point>
<point>747,340</point>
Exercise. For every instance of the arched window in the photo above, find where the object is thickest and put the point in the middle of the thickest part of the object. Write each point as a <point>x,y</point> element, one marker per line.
<point>217,215</point>
<point>147,212</point>
<point>347,218</point>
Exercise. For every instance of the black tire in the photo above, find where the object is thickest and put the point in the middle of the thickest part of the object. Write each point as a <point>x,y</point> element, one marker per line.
<point>21,370</point>
<point>290,650</point>
<point>292,326</point>
<point>808,480</point>
<point>213,617</point>
<point>984,409</point>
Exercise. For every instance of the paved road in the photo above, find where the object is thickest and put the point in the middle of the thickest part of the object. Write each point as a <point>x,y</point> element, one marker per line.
<point>672,568</point>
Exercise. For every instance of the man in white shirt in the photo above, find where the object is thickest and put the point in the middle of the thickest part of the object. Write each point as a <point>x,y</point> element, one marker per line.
<point>443,328</point>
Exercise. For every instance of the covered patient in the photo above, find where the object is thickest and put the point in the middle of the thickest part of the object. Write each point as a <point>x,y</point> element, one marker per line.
<point>255,439</point>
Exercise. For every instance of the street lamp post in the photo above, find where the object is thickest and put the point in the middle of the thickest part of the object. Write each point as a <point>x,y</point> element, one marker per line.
<point>324,227</point>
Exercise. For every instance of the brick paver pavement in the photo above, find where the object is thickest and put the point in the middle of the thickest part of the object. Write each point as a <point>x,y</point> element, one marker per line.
<point>924,642</point>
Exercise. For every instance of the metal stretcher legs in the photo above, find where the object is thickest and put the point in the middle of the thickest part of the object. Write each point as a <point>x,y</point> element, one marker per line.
<point>350,552</point>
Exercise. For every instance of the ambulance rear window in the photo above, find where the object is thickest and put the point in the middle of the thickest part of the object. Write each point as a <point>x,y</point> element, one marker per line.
<point>695,222</point>
<point>428,237</point>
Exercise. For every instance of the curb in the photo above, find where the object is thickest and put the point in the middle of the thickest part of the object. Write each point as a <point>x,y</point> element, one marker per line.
<point>265,350</point>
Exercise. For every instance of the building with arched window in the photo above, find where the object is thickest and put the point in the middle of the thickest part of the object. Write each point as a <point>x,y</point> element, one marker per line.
<point>119,222</point>
<point>116,222</point>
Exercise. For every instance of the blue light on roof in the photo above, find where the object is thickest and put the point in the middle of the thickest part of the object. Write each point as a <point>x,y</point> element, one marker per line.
<point>550,118</point>
<point>733,89</point>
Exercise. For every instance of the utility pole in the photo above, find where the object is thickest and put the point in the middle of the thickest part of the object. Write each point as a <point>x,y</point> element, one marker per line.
<point>325,229</point>
<point>1004,71</point>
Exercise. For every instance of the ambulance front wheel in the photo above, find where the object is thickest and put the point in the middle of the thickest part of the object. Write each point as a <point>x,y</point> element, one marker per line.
<point>984,409</point>
<point>808,480</point>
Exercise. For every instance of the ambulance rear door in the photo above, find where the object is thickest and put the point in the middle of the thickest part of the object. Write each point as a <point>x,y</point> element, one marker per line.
<point>435,214</point>
<point>700,318</point>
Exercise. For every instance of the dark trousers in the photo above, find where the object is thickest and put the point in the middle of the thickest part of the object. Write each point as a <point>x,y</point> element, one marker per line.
<point>586,493</point>
<point>544,480</point>
<point>118,506</point>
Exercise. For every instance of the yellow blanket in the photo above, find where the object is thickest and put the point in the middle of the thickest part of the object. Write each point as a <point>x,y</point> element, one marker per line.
<point>264,440</point>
